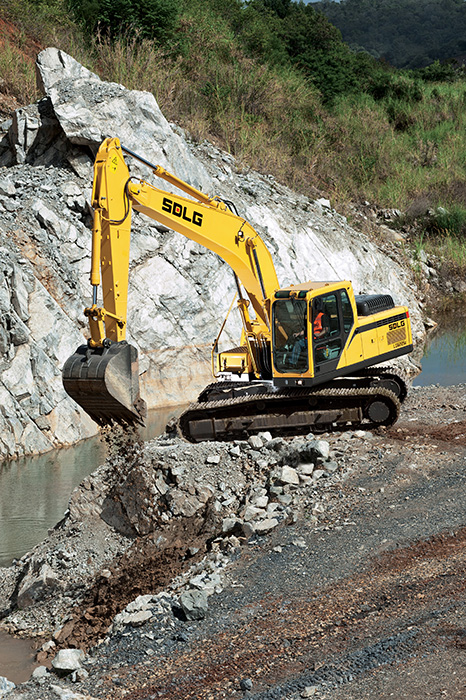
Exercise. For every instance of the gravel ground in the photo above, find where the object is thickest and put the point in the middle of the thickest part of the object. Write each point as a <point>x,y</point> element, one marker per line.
<point>358,591</point>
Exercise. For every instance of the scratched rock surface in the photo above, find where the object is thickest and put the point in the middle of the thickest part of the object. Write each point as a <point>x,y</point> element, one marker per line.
<point>179,292</point>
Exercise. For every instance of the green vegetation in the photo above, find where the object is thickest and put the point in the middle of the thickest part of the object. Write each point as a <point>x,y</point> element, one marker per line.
<point>154,19</point>
<point>407,34</point>
<point>272,82</point>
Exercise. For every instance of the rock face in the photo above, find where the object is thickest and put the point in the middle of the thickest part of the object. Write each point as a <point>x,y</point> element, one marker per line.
<point>179,292</point>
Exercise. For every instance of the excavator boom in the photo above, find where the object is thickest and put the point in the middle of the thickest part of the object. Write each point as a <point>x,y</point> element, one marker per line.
<point>102,376</point>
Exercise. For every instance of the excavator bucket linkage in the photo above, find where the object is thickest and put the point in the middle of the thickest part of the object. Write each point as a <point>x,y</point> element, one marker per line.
<point>105,383</point>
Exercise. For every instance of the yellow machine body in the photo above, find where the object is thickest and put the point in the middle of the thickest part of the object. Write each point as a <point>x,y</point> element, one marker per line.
<point>278,341</point>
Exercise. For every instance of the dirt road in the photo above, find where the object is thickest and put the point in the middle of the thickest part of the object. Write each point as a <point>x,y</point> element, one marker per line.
<point>369,602</point>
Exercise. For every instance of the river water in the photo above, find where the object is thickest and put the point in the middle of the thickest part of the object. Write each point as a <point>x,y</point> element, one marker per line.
<point>444,360</point>
<point>34,491</point>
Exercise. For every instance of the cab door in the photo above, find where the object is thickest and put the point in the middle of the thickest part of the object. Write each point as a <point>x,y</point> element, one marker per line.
<point>332,320</point>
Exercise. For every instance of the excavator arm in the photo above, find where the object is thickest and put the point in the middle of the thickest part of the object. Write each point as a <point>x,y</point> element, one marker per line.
<point>103,376</point>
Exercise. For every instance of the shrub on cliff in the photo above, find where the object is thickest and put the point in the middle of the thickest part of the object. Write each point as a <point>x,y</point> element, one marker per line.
<point>153,19</point>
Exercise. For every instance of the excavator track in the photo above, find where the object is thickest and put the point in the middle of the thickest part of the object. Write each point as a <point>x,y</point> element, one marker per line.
<point>288,412</point>
<point>393,375</point>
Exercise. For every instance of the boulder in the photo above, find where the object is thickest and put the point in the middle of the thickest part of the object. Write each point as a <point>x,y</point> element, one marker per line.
<point>194,604</point>
<point>5,686</point>
<point>68,660</point>
<point>288,475</point>
<point>36,585</point>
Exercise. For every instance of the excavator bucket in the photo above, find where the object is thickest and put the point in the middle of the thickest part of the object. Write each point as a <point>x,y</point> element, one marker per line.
<point>105,383</point>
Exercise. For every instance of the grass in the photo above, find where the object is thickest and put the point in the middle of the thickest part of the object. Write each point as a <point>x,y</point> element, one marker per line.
<point>17,74</point>
<point>396,150</point>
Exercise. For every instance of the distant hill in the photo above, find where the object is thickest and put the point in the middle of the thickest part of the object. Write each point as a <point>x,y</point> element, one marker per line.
<point>406,33</point>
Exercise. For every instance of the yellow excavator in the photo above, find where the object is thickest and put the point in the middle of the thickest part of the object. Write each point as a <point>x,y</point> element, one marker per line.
<point>309,354</point>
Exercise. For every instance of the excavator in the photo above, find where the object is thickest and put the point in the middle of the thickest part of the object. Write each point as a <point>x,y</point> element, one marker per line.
<point>310,354</point>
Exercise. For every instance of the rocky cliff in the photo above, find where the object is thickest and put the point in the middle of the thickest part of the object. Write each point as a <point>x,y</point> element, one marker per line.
<point>179,292</point>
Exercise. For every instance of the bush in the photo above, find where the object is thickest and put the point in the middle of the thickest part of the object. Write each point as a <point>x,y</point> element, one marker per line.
<point>395,86</point>
<point>439,72</point>
<point>450,222</point>
<point>152,19</point>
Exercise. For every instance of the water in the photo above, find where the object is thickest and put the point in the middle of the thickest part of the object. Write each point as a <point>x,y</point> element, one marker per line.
<point>34,491</point>
<point>16,658</point>
<point>444,360</point>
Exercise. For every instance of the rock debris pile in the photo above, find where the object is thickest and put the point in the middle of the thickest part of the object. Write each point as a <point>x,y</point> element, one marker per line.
<point>222,496</point>
<point>144,498</point>
<point>178,290</point>
<point>148,538</point>
<point>159,547</point>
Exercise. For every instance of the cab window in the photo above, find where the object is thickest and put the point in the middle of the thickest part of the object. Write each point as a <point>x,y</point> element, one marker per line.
<point>347,312</point>
<point>290,350</point>
<point>326,328</point>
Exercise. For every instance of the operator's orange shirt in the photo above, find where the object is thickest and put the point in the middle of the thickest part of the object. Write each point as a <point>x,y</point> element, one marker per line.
<point>318,327</point>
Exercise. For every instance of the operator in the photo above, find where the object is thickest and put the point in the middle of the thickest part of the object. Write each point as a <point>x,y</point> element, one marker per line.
<point>319,326</point>
<point>300,343</point>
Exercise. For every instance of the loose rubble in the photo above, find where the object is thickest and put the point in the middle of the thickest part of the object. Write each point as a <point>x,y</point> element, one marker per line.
<point>151,538</point>
<point>230,491</point>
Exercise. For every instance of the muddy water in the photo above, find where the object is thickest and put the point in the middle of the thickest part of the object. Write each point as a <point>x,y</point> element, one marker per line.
<point>34,491</point>
<point>16,658</point>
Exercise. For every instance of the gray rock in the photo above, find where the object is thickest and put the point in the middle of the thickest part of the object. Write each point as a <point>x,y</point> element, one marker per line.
<point>285,499</point>
<point>322,448</point>
<point>255,442</point>
<point>265,436</point>
<point>6,686</point>
<point>40,672</point>
<point>68,660</point>
<point>305,469</point>
<point>288,475</point>
<point>142,602</point>
<point>265,526</point>
<point>194,604</point>
<point>67,694</point>
<point>317,474</point>
<point>253,513</point>
<point>229,524</point>
<point>309,691</point>
<point>7,188</point>
<point>79,675</point>
<point>331,467</point>
<point>245,684</point>
<point>36,585</point>
<point>136,619</point>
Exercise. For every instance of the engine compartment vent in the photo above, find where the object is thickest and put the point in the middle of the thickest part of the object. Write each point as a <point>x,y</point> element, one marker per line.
<point>368,304</point>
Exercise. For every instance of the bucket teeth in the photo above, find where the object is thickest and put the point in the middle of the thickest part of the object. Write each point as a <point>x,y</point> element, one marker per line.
<point>105,383</point>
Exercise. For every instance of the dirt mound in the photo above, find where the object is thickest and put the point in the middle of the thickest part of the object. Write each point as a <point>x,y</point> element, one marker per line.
<point>148,566</point>
<point>451,433</point>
